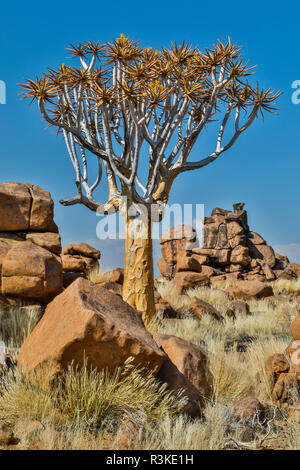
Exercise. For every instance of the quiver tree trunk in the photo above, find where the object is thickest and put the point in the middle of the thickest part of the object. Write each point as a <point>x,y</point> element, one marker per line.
<point>138,288</point>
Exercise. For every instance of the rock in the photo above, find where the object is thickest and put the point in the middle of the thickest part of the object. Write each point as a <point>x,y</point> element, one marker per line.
<point>246,408</point>
<point>199,308</point>
<point>251,289</point>
<point>287,387</point>
<point>74,264</point>
<point>69,277</point>
<point>234,229</point>
<point>207,271</point>
<point>240,255</point>
<point>201,259</point>
<point>7,241</point>
<point>48,240</point>
<point>240,307</point>
<point>245,434</point>
<point>225,311</point>
<point>296,268</point>
<point>238,240</point>
<point>15,207</point>
<point>264,253</point>
<point>25,207</point>
<point>282,261</point>
<point>254,264</point>
<point>185,368</point>
<point>167,270</point>
<point>178,233</point>
<point>189,280</point>
<point>114,287</point>
<point>87,320</point>
<point>82,249</point>
<point>256,239</point>
<point>280,274</point>
<point>187,262</point>
<point>275,365</point>
<point>169,252</point>
<point>295,328</point>
<point>6,435</point>
<point>234,268</point>
<point>29,271</point>
<point>42,207</point>
<point>270,276</point>
<point>293,352</point>
<point>217,257</point>
<point>219,211</point>
<point>252,277</point>
<point>117,275</point>
<point>222,241</point>
<point>210,235</point>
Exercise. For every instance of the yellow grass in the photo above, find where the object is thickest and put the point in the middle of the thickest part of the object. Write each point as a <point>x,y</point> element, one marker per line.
<point>285,286</point>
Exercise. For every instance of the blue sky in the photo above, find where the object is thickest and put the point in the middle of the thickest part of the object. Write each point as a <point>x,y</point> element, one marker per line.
<point>262,169</point>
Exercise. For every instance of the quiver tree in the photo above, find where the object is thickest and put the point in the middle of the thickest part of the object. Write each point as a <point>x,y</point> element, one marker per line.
<point>125,103</point>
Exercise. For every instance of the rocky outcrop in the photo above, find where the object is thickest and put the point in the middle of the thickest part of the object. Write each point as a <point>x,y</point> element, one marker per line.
<point>30,245</point>
<point>89,321</point>
<point>229,249</point>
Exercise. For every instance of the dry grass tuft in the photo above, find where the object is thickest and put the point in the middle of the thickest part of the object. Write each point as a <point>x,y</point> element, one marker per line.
<point>16,325</point>
<point>96,275</point>
<point>87,398</point>
<point>285,286</point>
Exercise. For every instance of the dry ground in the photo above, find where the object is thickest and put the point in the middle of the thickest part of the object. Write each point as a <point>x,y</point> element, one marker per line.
<point>134,411</point>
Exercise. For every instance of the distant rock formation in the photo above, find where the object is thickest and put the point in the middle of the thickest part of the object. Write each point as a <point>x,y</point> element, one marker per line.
<point>229,248</point>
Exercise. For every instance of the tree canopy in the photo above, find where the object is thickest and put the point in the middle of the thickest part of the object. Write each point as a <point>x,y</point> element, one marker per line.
<point>122,97</point>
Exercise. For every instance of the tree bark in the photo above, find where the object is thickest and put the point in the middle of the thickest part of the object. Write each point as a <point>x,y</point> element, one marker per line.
<point>138,287</point>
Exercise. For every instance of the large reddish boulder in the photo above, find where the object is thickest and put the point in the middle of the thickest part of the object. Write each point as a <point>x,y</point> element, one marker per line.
<point>185,368</point>
<point>87,320</point>
<point>29,271</point>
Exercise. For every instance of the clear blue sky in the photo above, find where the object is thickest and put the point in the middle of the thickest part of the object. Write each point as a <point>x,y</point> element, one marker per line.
<point>262,169</point>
